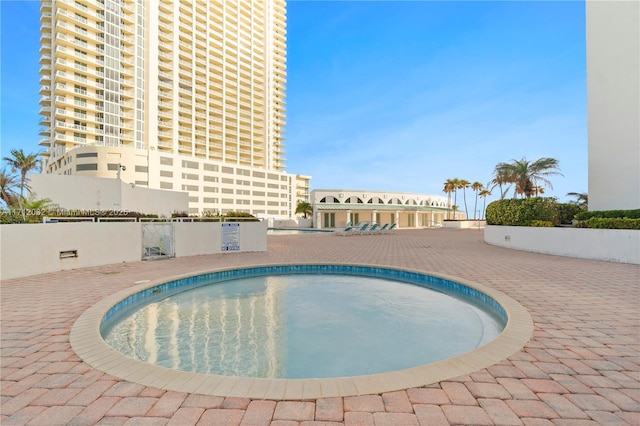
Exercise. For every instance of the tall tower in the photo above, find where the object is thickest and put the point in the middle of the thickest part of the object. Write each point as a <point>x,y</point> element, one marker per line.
<point>172,93</point>
<point>613,104</point>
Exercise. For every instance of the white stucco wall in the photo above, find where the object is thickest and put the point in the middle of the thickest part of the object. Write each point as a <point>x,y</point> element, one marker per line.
<point>613,98</point>
<point>193,239</point>
<point>615,245</point>
<point>92,193</point>
<point>35,248</point>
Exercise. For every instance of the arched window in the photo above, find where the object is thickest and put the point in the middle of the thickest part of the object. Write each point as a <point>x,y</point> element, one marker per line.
<point>354,200</point>
<point>329,199</point>
<point>375,200</point>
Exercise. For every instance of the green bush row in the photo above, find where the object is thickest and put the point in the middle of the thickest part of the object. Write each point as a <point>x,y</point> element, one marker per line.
<point>609,223</point>
<point>534,211</point>
<point>610,214</point>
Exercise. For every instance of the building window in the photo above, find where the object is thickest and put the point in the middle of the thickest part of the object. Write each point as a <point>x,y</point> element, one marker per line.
<point>87,154</point>
<point>210,167</point>
<point>86,167</point>
<point>190,164</point>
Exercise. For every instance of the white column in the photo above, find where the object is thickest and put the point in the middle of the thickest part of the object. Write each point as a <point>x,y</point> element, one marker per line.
<point>318,223</point>
<point>373,216</point>
<point>397,219</point>
<point>415,220</point>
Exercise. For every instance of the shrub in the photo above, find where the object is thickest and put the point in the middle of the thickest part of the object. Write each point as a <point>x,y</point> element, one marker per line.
<point>610,214</point>
<point>10,216</point>
<point>610,223</point>
<point>241,217</point>
<point>567,212</point>
<point>541,223</point>
<point>522,212</point>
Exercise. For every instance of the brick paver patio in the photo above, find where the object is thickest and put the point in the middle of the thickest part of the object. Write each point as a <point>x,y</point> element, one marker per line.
<point>581,367</point>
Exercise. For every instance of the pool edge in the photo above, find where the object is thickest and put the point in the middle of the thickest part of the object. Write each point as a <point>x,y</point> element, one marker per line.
<point>87,342</point>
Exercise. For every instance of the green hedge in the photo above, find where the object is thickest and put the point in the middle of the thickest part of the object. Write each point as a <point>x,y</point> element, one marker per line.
<point>523,211</point>
<point>568,212</point>
<point>609,214</point>
<point>610,223</point>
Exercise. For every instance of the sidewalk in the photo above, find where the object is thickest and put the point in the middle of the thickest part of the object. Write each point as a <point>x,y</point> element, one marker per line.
<point>581,367</point>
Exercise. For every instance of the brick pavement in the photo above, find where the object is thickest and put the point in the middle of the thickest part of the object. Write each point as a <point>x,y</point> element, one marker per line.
<point>581,367</point>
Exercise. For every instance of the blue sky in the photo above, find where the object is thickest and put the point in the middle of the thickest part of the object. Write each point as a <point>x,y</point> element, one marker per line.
<point>395,95</point>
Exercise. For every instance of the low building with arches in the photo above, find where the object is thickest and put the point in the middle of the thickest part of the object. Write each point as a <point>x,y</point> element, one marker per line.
<point>333,208</point>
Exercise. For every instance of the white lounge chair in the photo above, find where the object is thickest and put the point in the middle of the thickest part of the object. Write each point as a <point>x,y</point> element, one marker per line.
<point>389,229</point>
<point>348,229</point>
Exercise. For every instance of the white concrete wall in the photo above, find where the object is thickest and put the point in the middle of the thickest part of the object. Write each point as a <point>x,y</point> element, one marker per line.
<point>93,193</point>
<point>157,201</point>
<point>35,248</point>
<point>464,224</point>
<point>614,245</point>
<point>613,103</point>
<point>196,238</point>
<point>77,192</point>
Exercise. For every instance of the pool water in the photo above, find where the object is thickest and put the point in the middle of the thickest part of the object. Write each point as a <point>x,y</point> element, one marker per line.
<point>302,326</point>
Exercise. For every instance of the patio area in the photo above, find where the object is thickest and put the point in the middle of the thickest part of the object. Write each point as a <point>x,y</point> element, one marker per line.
<point>581,367</point>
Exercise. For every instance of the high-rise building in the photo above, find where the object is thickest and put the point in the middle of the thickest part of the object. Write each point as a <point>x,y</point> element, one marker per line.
<point>185,95</point>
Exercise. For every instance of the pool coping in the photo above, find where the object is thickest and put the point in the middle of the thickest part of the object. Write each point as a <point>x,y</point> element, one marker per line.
<point>89,345</point>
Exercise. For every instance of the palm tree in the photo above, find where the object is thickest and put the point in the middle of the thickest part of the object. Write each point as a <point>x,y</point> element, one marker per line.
<point>477,187</point>
<point>484,193</point>
<point>582,199</point>
<point>501,178</point>
<point>464,184</point>
<point>304,208</point>
<point>526,174</point>
<point>537,190</point>
<point>25,163</point>
<point>449,187</point>
<point>8,184</point>
<point>456,186</point>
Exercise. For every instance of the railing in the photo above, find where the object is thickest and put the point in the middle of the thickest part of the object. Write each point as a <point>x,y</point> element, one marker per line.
<point>92,219</point>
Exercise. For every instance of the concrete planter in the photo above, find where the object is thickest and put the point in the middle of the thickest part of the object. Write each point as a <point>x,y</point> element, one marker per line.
<point>613,245</point>
<point>463,224</point>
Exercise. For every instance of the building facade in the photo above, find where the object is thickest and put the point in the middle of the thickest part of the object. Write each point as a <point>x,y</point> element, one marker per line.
<point>613,104</point>
<point>180,95</point>
<point>334,208</point>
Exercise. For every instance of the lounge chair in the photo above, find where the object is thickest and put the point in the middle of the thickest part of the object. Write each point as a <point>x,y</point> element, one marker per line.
<point>383,229</point>
<point>348,229</point>
<point>362,229</point>
<point>389,229</point>
<point>373,229</point>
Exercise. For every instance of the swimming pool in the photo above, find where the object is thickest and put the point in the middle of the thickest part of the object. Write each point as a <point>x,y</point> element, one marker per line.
<point>305,325</point>
<point>88,343</point>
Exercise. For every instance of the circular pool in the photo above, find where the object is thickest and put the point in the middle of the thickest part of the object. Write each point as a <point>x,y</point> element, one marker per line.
<point>303,326</point>
<point>321,329</point>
